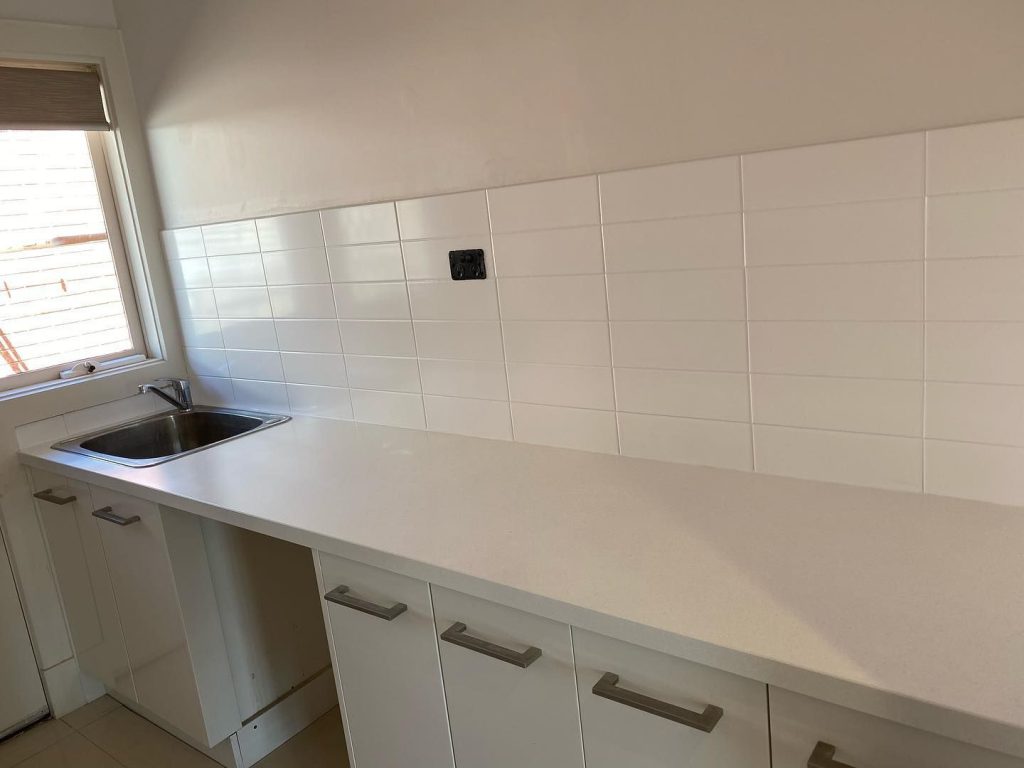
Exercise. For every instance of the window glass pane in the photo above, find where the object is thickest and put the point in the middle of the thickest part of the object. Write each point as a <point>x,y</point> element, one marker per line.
<point>60,301</point>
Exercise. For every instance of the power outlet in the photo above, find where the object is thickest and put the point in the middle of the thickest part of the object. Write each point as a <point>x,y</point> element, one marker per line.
<point>467,264</point>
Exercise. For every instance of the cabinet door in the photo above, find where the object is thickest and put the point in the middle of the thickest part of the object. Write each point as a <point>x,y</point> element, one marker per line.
<point>646,709</point>
<point>147,602</point>
<point>65,508</point>
<point>808,732</point>
<point>386,666</point>
<point>508,677</point>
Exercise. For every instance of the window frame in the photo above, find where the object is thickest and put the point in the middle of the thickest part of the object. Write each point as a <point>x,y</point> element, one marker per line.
<point>138,350</point>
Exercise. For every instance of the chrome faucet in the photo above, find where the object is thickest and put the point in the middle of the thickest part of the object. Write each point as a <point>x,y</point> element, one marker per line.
<point>182,398</point>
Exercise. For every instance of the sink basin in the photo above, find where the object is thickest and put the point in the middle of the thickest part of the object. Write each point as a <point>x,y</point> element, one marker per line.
<point>167,436</point>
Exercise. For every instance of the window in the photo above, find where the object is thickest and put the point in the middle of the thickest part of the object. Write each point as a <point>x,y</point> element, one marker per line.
<point>66,301</point>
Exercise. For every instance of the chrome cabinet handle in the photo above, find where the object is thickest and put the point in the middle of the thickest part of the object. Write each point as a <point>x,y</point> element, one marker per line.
<point>48,495</point>
<point>456,635</point>
<point>822,756</point>
<point>607,688</point>
<point>341,596</point>
<point>108,514</point>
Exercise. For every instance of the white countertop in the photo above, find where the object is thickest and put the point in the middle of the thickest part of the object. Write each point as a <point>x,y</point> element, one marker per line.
<point>905,605</point>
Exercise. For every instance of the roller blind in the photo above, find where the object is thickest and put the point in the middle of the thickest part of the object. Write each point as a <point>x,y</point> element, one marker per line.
<point>57,97</point>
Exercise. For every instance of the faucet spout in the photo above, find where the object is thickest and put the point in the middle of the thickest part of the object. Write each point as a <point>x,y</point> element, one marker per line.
<point>182,397</point>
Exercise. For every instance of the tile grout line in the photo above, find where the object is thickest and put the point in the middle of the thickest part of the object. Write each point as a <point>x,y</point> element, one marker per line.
<point>412,326</point>
<point>501,322</point>
<point>746,317</point>
<point>924,316</point>
<point>608,319</point>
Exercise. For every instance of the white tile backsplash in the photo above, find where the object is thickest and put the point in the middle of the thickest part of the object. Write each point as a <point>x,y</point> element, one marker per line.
<point>775,312</point>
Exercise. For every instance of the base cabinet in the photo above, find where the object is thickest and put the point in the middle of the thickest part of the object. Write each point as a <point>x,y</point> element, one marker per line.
<point>643,708</point>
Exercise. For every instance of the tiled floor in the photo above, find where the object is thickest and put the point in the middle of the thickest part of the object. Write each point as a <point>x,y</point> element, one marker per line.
<point>104,734</point>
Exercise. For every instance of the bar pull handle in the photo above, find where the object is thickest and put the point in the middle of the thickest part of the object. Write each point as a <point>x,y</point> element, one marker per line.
<point>48,495</point>
<point>456,635</point>
<point>341,596</point>
<point>822,757</point>
<point>607,688</point>
<point>108,514</point>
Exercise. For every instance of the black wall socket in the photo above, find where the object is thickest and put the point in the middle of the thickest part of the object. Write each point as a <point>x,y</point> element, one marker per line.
<point>467,264</point>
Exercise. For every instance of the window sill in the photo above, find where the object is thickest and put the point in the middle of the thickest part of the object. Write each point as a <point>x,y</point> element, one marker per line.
<point>56,384</point>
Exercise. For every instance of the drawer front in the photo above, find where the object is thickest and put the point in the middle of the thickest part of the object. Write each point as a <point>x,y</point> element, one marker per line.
<point>81,571</point>
<point>502,714</point>
<point>620,729</point>
<point>800,723</point>
<point>387,669</point>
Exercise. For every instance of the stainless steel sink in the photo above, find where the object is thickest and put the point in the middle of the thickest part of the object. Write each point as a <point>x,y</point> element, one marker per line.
<point>167,436</point>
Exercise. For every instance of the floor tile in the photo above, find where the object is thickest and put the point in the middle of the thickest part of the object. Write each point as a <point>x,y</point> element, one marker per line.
<point>32,741</point>
<point>321,745</point>
<point>137,743</point>
<point>73,751</point>
<point>91,712</point>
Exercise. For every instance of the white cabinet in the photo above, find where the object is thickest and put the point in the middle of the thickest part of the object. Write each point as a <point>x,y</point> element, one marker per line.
<point>386,665</point>
<point>808,733</point>
<point>508,678</point>
<point>644,708</point>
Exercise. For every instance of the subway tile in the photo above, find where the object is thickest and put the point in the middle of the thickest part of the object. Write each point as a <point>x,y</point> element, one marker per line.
<point>721,444</point>
<point>428,259</point>
<point>706,294</point>
<point>356,224</point>
<point>206,362</point>
<point>308,336</point>
<point>291,231</point>
<point>876,406</point>
<point>694,394</point>
<point>302,302</point>
<point>231,237</point>
<point>688,243</point>
<point>464,378</point>
<point>394,374</point>
<point>322,402</point>
<point>42,431</point>
<point>462,416</point>
<point>183,243</point>
<point>975,413</point>
<point>313,368</point>
<point>237,271</point>
<point>189,273</point>
<point>974,158</point>
<point>575,251</point>
<point>379,262</point>
<point>249,334</point>
<point>579,297</point>
<point>201,332</point>
<point>578,428</point>
<point>868,350</point>
<point>544,205</point>
<point>681,345</point>
<point>243,302</point>
<point>570,385</point>
<point>979,224</point>
<point>867,169</point>
<point>840,457</point>
<point>393,409</point>
<point>443,216</point>
<point>393,338</point>
<point>975,352</point>
<point>881,230</point>
<point>252,364</point>
<point>973,471</point>
<point>563,342</point>
<point>475,340</point>
<point>297,267</point>
<point>890,291</point>
<point>212,391</point>
<point>372,301</point>
<point>196,303</point>
<point>464,300</point>
<point>976,289</point>
<point>270,396</point>
<point>114,412</point>
<point>666,191</point>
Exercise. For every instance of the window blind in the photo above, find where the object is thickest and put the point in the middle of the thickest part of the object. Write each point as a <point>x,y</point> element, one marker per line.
<point>57,97</point>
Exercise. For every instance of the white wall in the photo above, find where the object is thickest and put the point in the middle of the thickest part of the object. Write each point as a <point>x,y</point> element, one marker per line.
<point>86,13</point>
<point>260,106</point>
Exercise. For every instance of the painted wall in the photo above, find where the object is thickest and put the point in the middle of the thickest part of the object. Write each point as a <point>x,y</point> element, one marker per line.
<point>257,106</point>
<point>86,13</point>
